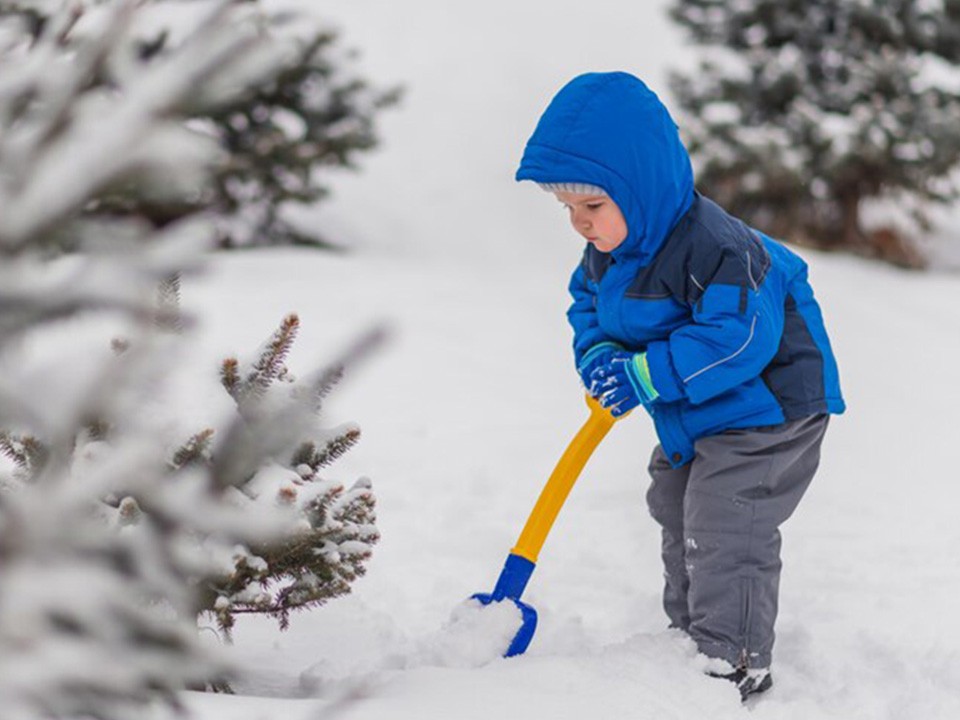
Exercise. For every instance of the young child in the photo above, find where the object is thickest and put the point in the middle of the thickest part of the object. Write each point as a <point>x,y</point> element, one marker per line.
<point>713,328</point>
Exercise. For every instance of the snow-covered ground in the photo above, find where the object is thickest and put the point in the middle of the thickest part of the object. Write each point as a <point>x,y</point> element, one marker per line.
<point>467,409</point>
<point>464,415</point>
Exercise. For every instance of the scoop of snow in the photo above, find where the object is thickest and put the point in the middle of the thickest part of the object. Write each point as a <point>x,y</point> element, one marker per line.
<point>475,635</point>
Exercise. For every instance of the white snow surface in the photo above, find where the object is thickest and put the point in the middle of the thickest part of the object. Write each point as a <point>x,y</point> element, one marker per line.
<point>463,416</point>
<point>467,409</point>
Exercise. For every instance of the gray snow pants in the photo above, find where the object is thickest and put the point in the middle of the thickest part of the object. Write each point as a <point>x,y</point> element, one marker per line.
<point>720,515</point>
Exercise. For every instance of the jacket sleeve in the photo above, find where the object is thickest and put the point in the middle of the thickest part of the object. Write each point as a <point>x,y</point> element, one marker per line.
<point>734,333</point>
<point>583,316</point>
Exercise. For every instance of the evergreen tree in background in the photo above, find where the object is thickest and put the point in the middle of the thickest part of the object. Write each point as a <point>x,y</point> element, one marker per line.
<point>802,110</point>
<point>281,137</point>
<point>277,137</point>
<point>110,529</point>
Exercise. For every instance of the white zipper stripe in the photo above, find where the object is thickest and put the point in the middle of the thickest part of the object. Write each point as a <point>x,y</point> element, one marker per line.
<point>743,347</point>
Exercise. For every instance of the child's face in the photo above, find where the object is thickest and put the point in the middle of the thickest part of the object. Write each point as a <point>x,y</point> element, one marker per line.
<point>597,218</point>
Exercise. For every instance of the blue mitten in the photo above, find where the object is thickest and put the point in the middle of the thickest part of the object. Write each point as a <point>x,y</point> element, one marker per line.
<point>624,382</point>
<point>593,358</point>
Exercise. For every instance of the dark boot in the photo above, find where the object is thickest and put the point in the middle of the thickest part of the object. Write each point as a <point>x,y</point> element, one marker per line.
<point>748,682</point>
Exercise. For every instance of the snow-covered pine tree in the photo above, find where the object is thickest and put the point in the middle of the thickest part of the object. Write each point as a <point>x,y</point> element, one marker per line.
<point>332,530</point>
<point>279,135</point>
<point>282,137</point>
<point>801,111</point>
<point>98,600</point>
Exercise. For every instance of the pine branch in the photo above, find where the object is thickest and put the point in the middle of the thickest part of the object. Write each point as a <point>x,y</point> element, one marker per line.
<point>307,453</point>
<point>230,377</point>
<point>325,384</point>
<point>195,450</point>
<point>307,569</point>
<point>269,366</point>
<point>26,451</point>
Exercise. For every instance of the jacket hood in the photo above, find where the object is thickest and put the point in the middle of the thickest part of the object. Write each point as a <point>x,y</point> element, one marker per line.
<point>611,130</point>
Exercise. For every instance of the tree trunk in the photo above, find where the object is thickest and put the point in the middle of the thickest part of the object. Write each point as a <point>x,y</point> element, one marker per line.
<point>885,243</point>
<point>851,234</point>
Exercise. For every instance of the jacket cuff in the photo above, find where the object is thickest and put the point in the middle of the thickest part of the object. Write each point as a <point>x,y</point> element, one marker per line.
<point>664,377</point>
<point>642,368</point>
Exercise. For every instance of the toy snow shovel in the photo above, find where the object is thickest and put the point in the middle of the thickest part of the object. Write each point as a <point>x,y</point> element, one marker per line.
<point>523,558</point>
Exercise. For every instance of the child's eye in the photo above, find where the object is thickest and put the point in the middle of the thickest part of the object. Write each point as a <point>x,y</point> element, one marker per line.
<point>595,206</point>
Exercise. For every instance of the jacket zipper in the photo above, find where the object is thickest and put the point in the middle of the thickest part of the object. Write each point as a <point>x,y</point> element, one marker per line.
<point>669,423</point>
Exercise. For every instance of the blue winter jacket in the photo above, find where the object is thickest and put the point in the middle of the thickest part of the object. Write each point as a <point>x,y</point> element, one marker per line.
<point>733,335</point>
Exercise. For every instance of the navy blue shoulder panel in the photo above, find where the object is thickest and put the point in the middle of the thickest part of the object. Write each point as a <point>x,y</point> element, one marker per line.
<point>595,263</point>
<point>707,246</point>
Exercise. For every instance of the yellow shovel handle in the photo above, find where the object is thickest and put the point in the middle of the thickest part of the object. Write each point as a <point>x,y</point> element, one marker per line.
<point>561,481</point>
